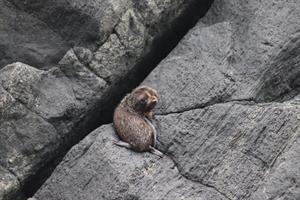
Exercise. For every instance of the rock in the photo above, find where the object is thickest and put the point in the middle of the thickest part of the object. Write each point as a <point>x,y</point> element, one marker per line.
<point>39,113</point>
<point>25,140</point>
<point>107,171</point>
<point>83,23</point>
<point>283,179</point>
<point>48,94</point>
<point>230,146</point>
<point>227,151</point>
<point>228,117</point>
<point>45,30</point>
<point>25,38</point>
<point>237,51</point>
<point>214,89</point>
<point>9,184</point>
<point>114,46</point>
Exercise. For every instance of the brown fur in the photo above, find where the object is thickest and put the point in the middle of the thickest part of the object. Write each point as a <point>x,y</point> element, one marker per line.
<point>131,119</point>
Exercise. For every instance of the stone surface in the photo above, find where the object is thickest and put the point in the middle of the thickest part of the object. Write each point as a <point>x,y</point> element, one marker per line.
<point>238,51</point>
<point>8,184</point>
<point>107,171</point>
<point>46,109</point>
<point>25,38</point>
<point>232,146</point>
<point>39,33</point>
<point>228,117</point>
<point>80,22</point>
<point>25,139</point>
<point>282,181</point>
<point>231,151</point>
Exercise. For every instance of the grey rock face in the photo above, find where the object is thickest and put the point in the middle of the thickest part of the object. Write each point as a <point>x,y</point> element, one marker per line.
<point>82,23</point>
<point>231,146</point>
<point>27,39</point>
<point>283,179</point>
<point>9,184</point>
<point>244,59</point>
<point>44,112</point>
<point>25,139</point>
<point>39,33</point>
<point>226,151</point>
<point>237,51</point>
<point>107,171</point>
<point>23,134</point>
<point>228,116</point>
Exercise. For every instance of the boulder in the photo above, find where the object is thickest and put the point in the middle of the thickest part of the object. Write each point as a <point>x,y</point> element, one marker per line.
<point>27,39</point>
<point>46,110</point>
<point>283,179</point>
<point>235,146</point>
<point>227,151</point>
<point>238,51</point>
<point>79,22</point>
<point>228,116</point>
<point>230,91</point>
<point>25,139</point>
<point>98,169</point>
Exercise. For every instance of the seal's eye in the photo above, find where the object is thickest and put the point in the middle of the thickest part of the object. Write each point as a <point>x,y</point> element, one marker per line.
<point>141,104</point>
<point>143,101</point>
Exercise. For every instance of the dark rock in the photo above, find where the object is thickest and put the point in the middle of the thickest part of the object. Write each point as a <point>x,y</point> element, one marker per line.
<point>9,184</point>
<point>245,55</point>
<point>25,38</point>
<point>282,181</point>
<point>230,146</point>
<point>115,47</point>
<point>85,23</point>
<point>107,171</point>
<point>238,51</point>
<point>229,150</point>
<point>228,116</point>
<point>25,139</point>
<point>39,33</point>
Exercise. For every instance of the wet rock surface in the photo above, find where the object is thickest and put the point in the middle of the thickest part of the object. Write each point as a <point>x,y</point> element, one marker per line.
<point>227,121</point>
<point>46,109</point>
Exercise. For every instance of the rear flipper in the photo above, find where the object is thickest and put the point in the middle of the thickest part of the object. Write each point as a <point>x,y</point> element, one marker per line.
<point>123,144</point>
<point>156,152</point>
<point>128,146</point>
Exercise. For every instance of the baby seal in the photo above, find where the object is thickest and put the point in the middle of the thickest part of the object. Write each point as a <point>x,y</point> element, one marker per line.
<point>132,120</point>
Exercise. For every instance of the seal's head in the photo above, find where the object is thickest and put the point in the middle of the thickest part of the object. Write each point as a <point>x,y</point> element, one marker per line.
<point>142,99</point>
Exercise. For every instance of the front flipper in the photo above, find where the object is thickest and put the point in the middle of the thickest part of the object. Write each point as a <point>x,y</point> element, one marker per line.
<point>149,115</point>
<point>154,131</point>
<point>123,144</point>
<point>156,152</point>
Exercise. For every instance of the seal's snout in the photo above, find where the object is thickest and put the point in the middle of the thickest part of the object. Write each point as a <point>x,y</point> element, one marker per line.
<point>154,100</point>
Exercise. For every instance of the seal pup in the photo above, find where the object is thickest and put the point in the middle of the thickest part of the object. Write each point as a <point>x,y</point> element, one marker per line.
<point>132,120</point>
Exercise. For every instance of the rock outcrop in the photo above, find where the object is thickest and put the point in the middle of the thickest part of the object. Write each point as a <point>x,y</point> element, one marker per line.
<point>228,118</point>
<point>47,108</point>
<point>226,151</point>
<point>110,172</point>
<point>235,146</point>
<point>27,39</point>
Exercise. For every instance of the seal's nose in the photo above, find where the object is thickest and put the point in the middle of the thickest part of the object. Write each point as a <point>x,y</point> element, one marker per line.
<point>154,100</point>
